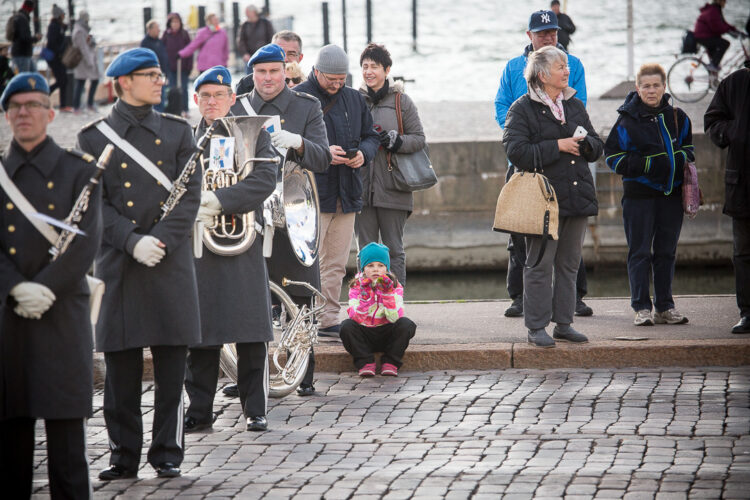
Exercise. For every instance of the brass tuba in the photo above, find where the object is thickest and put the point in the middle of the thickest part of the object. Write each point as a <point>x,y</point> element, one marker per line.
<point>234,234</point>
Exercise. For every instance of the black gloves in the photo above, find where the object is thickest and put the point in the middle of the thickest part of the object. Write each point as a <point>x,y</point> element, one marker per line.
<point>390,140</point>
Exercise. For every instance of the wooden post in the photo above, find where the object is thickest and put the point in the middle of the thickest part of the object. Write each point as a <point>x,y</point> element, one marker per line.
<point>37,22</point>
<point>71,14</point>
<point>343,21</point>
<point>368,9</point>
<point>414,25</point>
<point>147,16</point>
<point>201,16</point>
<point>236,27</point>
<point>631,58</point>
<point>169,7</point>
<point>326,37</point>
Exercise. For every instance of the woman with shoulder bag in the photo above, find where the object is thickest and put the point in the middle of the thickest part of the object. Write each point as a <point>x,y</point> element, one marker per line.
<point>386,208</point>
<point>649,146</point>
<point>541,125</point>
<point>86,69</point>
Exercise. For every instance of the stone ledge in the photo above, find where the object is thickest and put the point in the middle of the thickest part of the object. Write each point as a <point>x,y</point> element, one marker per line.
<point>492,356</point>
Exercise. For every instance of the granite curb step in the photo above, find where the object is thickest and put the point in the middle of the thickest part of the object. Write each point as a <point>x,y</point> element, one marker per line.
<point>481,356</point>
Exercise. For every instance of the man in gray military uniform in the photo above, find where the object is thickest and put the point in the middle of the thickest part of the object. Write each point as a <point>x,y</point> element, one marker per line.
<point>304,133</point>
<point>45,331</point>
<point>147,265</point>
<point>234,295</point>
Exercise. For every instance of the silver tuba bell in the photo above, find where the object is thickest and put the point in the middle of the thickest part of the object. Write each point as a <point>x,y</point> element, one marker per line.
<point>234,234</point>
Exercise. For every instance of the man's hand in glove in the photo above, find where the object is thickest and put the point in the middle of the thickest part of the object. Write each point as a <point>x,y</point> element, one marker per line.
<point>287,140</point>
<point>210,208</point>
<point>34,299</point>
<point>149,251</point>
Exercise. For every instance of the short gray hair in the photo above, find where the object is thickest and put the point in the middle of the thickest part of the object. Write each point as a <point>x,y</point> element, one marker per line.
<point>540,61</point>
<point>288,36</point>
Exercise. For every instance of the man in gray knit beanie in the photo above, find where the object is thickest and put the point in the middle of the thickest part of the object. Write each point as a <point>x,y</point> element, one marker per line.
<point>332,60</point>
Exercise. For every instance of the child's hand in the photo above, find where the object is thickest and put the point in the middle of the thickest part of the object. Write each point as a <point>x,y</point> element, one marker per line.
<point>385,283</point>
<point>365,283</point>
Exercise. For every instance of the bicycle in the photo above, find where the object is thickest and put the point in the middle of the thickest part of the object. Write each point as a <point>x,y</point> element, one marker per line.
<point>689,78</point>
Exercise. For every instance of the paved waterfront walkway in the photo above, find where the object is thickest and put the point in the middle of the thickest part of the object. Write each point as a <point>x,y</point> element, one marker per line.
<point>513,434</point>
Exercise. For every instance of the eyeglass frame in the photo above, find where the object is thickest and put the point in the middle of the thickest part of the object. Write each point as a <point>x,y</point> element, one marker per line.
<point>218,96</point>
<point>15,107</point>
<point>334,82</point>
<point>153,76</point>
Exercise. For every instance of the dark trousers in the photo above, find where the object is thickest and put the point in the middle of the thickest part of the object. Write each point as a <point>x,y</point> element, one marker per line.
<point>61,80</point>
<point>716,48</point>
<point>78,92</point>
<point>517,261</point>
<point>386,225</point>
<point>172,77</point>
<point>122,406</point>
<point>741,232</point>
<point>652,229</point>
<point>67,463</point>
<point>252,379</point>
<point>363,341</point>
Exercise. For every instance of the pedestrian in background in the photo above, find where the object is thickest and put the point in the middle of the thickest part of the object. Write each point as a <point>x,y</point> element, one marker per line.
<point>153,42</point>
<point>543,32</point>
<point>56,44</point>
<point>87,69</point>
<point>539,135</point>
<point>176,38</point>
<point>727,123</point>
<point>565,23</point>
<point>385,208</point>
<point>6,71</point>
<point>255,32</point>
<point>294,75</point>
<point>212,44</point>
<point>23,41</point>
<point>708,29</point>
<point>376,315</point>
<point>652,173</point>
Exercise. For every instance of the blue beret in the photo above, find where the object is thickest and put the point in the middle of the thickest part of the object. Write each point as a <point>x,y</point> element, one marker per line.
<point>24,82</point>
<point>132,60</point>
<point>218,75</point>
<point>268,53</point>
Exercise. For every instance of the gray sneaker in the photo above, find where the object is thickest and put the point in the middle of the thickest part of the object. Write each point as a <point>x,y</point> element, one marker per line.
<point>643,318</point>
<point>567,333</point>
<point>670,317</point>
<point>540,338</point>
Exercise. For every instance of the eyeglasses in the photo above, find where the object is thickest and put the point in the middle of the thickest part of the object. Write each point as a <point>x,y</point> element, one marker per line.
<point>219,96</point>
<point>290,54</point>
<point>296,80</point>
<point>334,81</point>
<point>154,76</point>
<point>15,107</point>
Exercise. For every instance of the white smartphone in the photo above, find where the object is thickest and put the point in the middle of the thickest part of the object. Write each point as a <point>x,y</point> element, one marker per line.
<point>580,132</point>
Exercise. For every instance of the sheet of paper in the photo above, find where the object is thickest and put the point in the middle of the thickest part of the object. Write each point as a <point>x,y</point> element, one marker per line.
<point>222,153</point>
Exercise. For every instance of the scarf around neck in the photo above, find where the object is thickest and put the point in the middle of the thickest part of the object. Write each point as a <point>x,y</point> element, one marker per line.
<point>380,94</point>
<point>555,106</point>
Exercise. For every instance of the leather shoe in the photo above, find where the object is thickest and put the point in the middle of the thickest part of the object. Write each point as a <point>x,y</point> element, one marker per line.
<point>516,308</point>
<point>582,309</point>
<point>192,425</point>
<point>743,326</point>
<point>114,472</point>
<point>257,424</point>
<point>167,469</point>
<point>305,390</point>
<point>231,391</point>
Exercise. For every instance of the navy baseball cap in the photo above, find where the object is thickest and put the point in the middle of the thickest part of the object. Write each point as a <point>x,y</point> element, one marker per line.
<point>542,20</point>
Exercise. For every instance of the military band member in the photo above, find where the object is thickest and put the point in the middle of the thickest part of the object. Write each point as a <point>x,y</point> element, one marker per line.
<point>234,295</point>
<point>147,265</point>
<point>45,330</point>
<point>304,133</point>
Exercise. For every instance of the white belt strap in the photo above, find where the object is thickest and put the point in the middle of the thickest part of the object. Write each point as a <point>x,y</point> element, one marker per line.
<point>136,155</point>
<point>245,101</point>
<point>25,206</point>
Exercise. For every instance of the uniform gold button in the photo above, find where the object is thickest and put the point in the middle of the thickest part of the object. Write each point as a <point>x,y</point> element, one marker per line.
<point>130,203</point>
<point>11,228</point>
<point>50,185</point>
<point>161,203</point>
<point>51,206</point>
<point>575,183</point>
<point>157,141</point>
<point>127,184</point>
<point>12,251</point>
<point>124,165</point>
<point>572,162</point>
<point>159,162</point>
<point>9,206</point>
<point>156,220</point>
<point>158,183</point>
<point>133,221</point>
<point>282,120</point>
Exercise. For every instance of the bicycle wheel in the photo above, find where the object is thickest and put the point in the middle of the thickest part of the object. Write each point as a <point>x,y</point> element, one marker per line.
<point>288,311</point>
<point>689,79</point>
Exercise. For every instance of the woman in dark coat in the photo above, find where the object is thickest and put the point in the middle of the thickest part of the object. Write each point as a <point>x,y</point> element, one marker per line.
<point>648,146</point>
<point>56,43</point>
<point>538,133</point>
<point>176,38</point>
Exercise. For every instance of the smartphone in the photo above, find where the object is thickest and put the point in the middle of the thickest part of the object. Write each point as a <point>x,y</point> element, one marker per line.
<point>351,153</point>
<point>580,132</point>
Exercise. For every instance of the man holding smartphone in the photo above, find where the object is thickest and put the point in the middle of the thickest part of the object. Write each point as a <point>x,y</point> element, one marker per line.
<point>353,142</point>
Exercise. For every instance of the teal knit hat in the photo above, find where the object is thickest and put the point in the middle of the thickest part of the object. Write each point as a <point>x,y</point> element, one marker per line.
<point>374,252</point>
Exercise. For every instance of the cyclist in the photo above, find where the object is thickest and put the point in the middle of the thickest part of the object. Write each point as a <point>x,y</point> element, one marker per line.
<point>708,29</point>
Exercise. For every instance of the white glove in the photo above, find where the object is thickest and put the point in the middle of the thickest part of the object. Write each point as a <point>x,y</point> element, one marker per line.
<point>206,215</point>
<point>149,251</point>
<point>34,299</point>
<point>285,139</point>
<point>211,201</point>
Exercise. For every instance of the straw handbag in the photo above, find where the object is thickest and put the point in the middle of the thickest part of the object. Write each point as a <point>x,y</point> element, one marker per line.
<point>527,206</point>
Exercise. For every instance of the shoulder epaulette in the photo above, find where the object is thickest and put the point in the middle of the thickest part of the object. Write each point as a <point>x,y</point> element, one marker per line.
<point>80,154</point>
<point>305,95</point>
<point>91,124</point>
<point>175,118</point>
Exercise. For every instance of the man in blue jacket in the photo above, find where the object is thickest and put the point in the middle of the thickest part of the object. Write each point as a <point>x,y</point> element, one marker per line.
<point>353,142</point>
<point>543,28</point>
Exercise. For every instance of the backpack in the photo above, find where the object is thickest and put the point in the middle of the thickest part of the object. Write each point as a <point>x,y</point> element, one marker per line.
<point>689,44</point>
<point>10,28</point>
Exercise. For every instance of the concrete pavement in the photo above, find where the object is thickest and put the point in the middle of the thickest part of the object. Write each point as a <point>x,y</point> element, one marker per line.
<point>513,434</point>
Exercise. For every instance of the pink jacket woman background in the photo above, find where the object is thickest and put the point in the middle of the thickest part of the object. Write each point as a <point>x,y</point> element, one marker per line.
<point>212,43</point>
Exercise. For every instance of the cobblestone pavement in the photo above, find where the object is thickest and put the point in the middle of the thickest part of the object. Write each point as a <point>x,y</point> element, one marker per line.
<point>665,434</point>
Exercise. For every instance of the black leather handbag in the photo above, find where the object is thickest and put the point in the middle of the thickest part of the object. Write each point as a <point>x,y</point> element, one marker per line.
<point>411,171</point>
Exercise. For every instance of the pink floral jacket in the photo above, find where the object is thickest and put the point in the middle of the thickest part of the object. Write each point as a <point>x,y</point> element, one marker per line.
<point>375,303</point>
